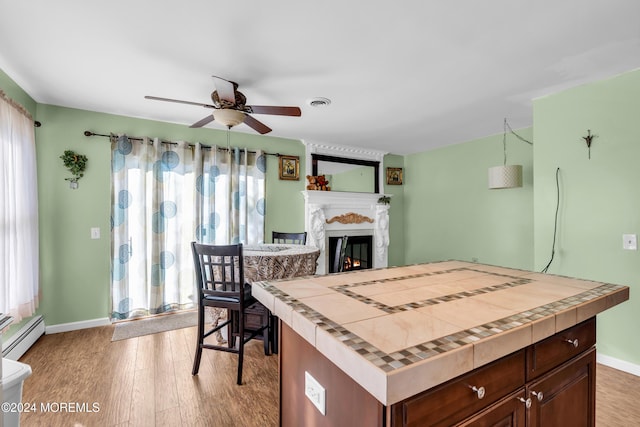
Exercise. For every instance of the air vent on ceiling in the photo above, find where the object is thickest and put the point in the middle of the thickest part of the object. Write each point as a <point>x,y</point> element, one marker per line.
<point>319,102</point>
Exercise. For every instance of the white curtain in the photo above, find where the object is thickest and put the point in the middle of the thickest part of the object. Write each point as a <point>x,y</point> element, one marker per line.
<point>19,262</point>
<point>164,196</point>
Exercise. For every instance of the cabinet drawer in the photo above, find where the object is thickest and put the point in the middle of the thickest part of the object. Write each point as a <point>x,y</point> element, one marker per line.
<point>456,400</point>
<point>553,351</point>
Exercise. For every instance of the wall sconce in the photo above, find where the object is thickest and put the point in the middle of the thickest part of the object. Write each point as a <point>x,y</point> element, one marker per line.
<point>506,176</point>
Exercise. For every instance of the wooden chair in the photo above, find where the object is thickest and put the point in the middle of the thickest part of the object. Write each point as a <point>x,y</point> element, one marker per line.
<point>220,278</point>
<point>338,259</point>
<point>289,238</point>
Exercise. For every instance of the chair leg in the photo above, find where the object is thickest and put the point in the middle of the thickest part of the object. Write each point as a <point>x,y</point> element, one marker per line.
<point>196,361</point>
<point>273,336</point>
<point>266,332</point>
<point>240,345</point>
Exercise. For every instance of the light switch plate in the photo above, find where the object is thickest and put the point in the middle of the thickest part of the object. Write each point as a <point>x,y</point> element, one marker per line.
<point>629,242</point>
<point>314,392</point>
<point>95,232</point>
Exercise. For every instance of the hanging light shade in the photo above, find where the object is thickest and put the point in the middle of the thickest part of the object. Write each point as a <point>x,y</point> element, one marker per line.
<point>507,176</point>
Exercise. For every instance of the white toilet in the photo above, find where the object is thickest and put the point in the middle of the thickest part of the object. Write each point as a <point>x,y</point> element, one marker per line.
<point>13,375</point>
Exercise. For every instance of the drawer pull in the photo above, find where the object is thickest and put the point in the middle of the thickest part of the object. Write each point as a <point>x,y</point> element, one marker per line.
<point>527,401</point>
<point>539,395</point>
<point>574,342</point>
<point>479,391</point>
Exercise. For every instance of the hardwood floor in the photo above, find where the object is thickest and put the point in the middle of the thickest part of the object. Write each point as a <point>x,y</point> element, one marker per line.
<point>147,381</point>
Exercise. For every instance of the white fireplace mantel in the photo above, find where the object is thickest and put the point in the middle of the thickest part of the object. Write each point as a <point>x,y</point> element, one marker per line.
<point>336,213</point>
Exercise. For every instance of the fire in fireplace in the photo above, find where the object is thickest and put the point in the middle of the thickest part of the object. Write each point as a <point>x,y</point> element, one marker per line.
<point>358,254</point>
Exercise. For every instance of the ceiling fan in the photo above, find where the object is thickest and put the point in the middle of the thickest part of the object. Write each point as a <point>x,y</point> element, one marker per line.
<point>230,109</point>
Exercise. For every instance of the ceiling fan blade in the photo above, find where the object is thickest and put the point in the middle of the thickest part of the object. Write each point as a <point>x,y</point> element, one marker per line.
<point>155,98</point>
<point>278,111</point>
<point>226,89</point>
<point>258,126</point>
<point>202,122</point>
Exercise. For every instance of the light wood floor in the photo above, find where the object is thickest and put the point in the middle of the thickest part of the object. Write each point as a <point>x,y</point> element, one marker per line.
<point>147,381</point>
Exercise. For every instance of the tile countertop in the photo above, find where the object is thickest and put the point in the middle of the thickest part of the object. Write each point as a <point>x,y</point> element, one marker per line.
<point>401,330</point>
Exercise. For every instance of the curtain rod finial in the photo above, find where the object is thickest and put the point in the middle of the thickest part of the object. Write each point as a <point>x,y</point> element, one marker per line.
<point>88,133</point>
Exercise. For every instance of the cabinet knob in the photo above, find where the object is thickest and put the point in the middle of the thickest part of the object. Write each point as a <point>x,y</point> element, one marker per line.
<point>539,395</point>
<point>527,401</point>
<point>573,342</point>
<point>479,391</point>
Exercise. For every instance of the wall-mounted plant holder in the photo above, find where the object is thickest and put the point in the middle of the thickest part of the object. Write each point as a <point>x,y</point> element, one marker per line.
<point>76,163</point>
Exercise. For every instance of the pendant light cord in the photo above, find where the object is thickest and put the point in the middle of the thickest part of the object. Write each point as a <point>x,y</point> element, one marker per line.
<point>555,225</point>
<point>504,139</point>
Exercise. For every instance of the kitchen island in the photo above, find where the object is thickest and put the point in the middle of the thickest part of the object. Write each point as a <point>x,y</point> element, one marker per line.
<point>403,345</point>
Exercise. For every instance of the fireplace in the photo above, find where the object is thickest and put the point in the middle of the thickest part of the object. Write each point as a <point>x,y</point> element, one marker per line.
<point>333,214</point>
<point>358,254</point>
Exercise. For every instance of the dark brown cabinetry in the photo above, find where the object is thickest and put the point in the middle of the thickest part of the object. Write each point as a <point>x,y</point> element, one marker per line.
<point>550,383</point>
<point>458,399</point>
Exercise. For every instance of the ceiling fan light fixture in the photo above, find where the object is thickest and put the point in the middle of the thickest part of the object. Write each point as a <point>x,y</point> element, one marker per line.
<point>228,117</point>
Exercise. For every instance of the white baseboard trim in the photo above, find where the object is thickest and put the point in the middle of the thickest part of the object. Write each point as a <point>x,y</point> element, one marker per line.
<point>618,364</point>
<point>74,326</point>
<point>21,341</point>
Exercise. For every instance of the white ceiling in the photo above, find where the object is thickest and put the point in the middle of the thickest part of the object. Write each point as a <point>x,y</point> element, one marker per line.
<point>403,76</point>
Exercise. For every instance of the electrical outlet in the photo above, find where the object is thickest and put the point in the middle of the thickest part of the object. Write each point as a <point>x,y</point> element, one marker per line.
<point>314,392</point>
<point>629,242</point>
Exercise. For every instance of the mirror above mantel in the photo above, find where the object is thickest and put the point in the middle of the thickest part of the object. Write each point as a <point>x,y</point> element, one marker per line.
<point>345,174</point>
<point>348,169</point>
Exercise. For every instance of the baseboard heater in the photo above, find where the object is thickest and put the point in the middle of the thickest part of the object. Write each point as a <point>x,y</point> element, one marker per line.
<point>18,344</point>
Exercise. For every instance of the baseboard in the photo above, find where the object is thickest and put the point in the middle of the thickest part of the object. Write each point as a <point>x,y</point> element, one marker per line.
<point>618,364</point>
<point>74,326</point>
<point>21,341</point>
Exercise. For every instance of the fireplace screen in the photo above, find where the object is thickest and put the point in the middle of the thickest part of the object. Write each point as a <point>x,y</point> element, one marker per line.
<point>358,254</point>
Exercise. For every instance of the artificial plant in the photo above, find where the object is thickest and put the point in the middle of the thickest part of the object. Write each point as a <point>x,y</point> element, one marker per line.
<point>76,163</point>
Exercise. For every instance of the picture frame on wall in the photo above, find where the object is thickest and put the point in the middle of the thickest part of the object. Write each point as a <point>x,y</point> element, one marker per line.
<point>289,167</point>
<point>394,176</point>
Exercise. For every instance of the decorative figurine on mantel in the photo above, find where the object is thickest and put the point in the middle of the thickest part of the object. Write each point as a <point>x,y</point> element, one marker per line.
<point>318,182</point>
<point>76,163</point>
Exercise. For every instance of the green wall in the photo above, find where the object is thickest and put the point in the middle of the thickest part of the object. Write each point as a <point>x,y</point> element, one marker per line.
<point>600,197</point>
<point>451,214</point>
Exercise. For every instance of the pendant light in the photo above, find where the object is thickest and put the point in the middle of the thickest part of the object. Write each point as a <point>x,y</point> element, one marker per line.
<point>506,176</point>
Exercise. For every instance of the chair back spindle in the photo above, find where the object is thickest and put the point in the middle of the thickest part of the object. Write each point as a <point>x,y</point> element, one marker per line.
<point>289,238</point>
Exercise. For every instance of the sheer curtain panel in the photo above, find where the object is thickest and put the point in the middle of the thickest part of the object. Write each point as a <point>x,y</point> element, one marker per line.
<point>19,261</point>
<point>164,196</point>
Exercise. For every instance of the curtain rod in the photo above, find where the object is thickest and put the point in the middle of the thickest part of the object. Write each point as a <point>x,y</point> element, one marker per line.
<point>89,133</point>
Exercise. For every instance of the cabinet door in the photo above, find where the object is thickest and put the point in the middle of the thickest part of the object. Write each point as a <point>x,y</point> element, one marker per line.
<point>568,394</point>
<point>508,412</point>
